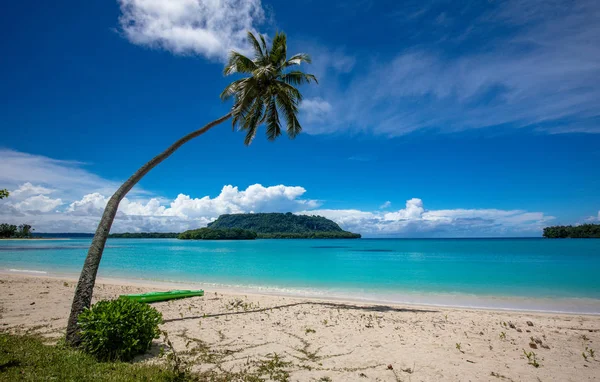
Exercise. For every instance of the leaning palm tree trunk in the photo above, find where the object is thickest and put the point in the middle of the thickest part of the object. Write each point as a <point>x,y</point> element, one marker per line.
<point>87,279</point>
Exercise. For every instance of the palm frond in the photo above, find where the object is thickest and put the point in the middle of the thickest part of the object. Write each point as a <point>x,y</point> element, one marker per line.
<point>253,120</point>
<point>289,107</point>
<point>258,52</point>
<point>272,120</point>
<point>232,89</point>
<point>264,45</point>
<point>279,49</point>
<point>290,90</point>
<point>238,63</point>
<point>244,98</point>
<point>296,78</point>
<point>298,59</point>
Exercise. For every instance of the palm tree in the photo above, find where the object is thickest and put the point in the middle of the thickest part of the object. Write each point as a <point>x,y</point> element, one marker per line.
<point>267,89</point>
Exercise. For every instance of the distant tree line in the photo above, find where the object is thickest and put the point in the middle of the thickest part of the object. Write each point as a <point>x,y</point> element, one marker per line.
<point>11,231</point>
<point>583,231</point>
<point>217,234</point>
<point>144,235</point>
<point>310,235</point>
<point>4,193</point>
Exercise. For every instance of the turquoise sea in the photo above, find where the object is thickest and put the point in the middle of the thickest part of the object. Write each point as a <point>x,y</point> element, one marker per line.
<point>537,274</point>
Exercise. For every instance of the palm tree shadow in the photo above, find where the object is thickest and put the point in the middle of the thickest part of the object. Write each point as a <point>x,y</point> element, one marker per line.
<point>333,305</point>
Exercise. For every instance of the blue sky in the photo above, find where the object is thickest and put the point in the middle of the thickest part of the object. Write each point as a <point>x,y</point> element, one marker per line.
<point>430,118</point>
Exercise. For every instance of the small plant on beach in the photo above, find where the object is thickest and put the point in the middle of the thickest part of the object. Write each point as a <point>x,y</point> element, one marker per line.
<point>531,358</point>
<point>274,367</point>
<point>239,304</point>
<point>65,284</point>
<point>118,329</point>
<point>309,330</point>
<point>588,353</point>
<point>458,347</point>
<point>584,338</point>
<point>502,336</point>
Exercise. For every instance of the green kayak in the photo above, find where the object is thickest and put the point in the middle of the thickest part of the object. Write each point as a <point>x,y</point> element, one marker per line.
<point>163,296</point>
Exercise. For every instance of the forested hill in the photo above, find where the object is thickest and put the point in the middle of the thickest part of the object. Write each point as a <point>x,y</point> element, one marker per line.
<point>279,225</point>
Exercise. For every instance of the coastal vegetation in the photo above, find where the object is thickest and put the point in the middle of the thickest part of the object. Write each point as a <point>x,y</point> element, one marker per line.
<point>12,231</point>
<point>284,226</point>
<point>217,234</point>
<point>144,235</point>
<point>310,235</point>
<point>29,358</point>
<point>4,193</point>
<point>583,231</point>
<point>265,93</point>
<point>118,330</point>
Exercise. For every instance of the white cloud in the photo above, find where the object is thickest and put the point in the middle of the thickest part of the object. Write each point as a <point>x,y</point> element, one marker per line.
<point>593,219</point>
<point>28,189</point>
<point>185,212</point>
<point>415,221</point>
<point>135,215</point>
<point>210,28</point>
<point>543,75</point>
<point>29,198</point>
<point>414,210</point>
<point>66,179</point>
<point>40,203</point>
<point>385,205</point>
<point>73,201</point>
<point>89,205</point>
<point>315,110</point>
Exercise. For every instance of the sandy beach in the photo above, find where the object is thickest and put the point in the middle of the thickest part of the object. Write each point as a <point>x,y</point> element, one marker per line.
<point>343,341</point>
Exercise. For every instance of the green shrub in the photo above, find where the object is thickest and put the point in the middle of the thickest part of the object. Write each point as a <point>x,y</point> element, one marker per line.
<point>118,329</point>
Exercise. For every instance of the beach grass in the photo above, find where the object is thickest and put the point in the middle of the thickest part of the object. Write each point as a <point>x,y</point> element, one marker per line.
<point>28,358</point>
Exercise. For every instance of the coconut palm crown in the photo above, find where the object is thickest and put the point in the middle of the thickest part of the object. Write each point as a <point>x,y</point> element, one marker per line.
<point>269,89</point>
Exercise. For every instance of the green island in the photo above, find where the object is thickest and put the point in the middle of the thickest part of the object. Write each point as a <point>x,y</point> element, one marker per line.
<point>255,226</point>
<point>284,226</point>
<point>583,231</point>
<point>217,234</point>
<point>144,235</point>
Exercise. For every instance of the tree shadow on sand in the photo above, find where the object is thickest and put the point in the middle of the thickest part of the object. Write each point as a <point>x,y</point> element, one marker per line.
<point>364,308</point>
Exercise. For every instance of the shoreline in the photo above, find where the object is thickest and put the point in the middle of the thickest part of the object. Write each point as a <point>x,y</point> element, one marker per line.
<point>432,300</point>
<point>326,339</point>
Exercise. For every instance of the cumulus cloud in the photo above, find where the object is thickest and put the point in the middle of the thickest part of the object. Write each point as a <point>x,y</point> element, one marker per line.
<point>593,219</point>
<point>40,203</point>
<point>31,199</point>
<point>30,204</point>
<point>210,28</point>
<point>416,221</point>
<point>135,214</point>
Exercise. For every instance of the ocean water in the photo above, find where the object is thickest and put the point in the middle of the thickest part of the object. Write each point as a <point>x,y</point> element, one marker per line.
<point>536,274</point>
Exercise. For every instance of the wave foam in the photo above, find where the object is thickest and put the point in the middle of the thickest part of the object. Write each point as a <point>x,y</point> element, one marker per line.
<point>27,271</point>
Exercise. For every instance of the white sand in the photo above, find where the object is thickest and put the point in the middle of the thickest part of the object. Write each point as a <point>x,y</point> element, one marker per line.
<point>343,341</point>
